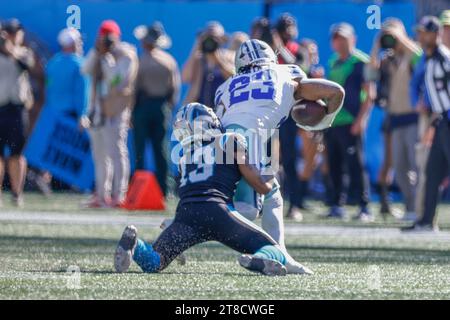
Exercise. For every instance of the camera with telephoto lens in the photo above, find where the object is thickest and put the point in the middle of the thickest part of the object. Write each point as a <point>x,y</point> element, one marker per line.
<point>108,41</point>
<point>388,41</point>
<point>209,44</point>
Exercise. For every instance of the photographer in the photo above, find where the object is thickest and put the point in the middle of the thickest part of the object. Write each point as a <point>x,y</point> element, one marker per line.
<point>394,71</point>
<point>262,30</point>
<point>284,41</point>
<point>113,67</point>
<point>291,52</point>
<point>16,62</point>
<point>208,65</point>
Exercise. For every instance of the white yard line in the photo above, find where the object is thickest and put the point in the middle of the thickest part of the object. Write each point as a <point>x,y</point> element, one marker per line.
<point>151,220</point>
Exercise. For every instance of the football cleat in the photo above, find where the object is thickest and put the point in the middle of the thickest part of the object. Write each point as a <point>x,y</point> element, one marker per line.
<point>267,267</point>
<point>125,249</point>
<point>297,268</point>
<point>420,228</point>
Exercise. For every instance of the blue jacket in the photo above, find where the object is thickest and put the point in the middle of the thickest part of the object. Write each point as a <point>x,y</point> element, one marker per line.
<point>67,89</point>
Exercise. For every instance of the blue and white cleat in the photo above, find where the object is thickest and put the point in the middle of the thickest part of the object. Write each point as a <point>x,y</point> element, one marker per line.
<point>125,249</point>
<point>267,267</point>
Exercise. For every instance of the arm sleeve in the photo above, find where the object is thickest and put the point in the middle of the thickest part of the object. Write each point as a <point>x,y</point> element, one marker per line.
<point>88,65</point>
<point>176,85</point>
<point>26,59</point>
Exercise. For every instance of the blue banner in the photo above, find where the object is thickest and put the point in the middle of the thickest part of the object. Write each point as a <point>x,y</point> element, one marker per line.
<point>57,145</point>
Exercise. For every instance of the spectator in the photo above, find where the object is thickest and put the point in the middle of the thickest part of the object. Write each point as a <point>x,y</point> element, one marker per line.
<point>437,79</point>
<point>445,21</point>
<point>208,65</point>
<point>67,88</point>
<point>15,97</point>
<point>311,142</point>
<point>113,67</point>
<point>400,56</point>
<point>157,92</point>
<point>237,38</point>
<point>343,140</point>
<point>419,99</point>
<point>262,30</point>
<point>283,40</point>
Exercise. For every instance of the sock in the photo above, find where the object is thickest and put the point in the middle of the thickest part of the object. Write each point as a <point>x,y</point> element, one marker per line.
<point>271,252</point>
<point>146,258</point>
<point>272,217</point>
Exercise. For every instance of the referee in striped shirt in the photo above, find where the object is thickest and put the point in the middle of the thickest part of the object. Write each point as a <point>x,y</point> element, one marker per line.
<point>437,84</point>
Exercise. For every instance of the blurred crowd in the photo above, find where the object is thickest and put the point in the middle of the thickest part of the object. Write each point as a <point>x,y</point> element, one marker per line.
<point>112,89</point>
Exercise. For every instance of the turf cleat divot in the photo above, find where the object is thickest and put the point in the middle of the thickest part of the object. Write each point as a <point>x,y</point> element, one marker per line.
<point>125,249</point>
<point>267,267</point>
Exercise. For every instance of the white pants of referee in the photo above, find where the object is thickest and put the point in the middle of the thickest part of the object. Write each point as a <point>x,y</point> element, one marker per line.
<point>110,155</point>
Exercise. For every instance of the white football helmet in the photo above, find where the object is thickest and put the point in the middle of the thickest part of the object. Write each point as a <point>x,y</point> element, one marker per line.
<point>253,52</point>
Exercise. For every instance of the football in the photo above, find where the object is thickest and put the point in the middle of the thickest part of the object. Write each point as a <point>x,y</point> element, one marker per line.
<point>308,113</point>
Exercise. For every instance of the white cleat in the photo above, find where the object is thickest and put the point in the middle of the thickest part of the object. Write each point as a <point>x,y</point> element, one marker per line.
<point>267,267</point>
<point>181,259</point>
<point>125,249</point>
<point>297,268</point>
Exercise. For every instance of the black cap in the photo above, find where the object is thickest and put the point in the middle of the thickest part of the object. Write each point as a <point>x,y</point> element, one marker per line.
<point>154,34</point>
<point>284,21</point>
<point>261,22</point>
<point>11,25</point>
<point>429,24</point>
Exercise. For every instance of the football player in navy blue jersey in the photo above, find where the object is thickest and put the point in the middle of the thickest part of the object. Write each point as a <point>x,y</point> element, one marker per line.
<point>211,165</point>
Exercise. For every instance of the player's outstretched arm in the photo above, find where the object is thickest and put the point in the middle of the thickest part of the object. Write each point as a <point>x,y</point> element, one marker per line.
<point>320,89</point>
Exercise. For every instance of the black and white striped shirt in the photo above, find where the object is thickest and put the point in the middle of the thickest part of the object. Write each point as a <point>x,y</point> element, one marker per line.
<point>437,80</point>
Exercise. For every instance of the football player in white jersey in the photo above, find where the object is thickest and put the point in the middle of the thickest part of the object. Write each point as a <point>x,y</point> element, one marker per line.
<point>256,101</point>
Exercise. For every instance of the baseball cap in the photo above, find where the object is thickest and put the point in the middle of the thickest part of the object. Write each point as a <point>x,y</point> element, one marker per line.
<point>68,37</point>
<point>284,21</point>
<point>215,29</point>
<point>343,29</point>
<point>109,27</point>
<point>12,25</point>
<point>445,18</point>
<point>154,34</point>
<point>429,24</point>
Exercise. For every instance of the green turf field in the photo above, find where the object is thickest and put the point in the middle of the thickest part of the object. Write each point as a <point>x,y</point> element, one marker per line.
<point>39,243</point>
